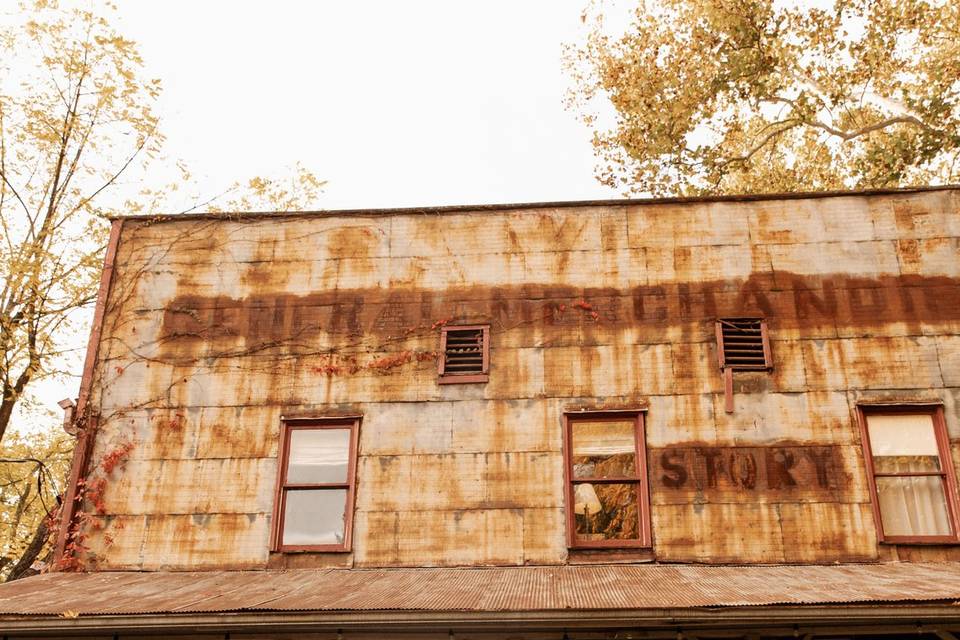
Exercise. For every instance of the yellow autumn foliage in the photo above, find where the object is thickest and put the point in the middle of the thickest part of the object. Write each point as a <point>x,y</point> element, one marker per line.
<point>28,491</point>
<point>726,96</point>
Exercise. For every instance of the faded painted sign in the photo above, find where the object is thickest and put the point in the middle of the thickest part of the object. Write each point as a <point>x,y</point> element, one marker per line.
<point>780,472</point>
<point>804,299</point>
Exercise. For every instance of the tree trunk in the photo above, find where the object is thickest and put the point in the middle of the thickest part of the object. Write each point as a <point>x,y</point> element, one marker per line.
<point>12,393</point>
<point>6,412</point>
<point>30,554</point>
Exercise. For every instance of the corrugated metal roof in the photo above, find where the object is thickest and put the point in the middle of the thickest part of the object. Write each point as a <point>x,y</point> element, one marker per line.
<point>516,589</point>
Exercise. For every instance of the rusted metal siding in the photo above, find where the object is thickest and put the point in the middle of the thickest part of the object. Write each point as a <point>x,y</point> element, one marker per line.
<point>217,327</point>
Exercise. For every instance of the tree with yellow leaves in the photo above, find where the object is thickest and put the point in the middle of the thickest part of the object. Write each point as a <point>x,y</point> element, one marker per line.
<point>754,96</point>
<point>74,117</point>
<point>78,130</point>
<point>32,472</point>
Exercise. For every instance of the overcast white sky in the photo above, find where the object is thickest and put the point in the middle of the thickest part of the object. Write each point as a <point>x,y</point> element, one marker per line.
<point>395,103</point>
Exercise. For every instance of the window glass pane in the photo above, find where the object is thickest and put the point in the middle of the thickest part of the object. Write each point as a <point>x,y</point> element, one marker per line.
<point>606,511</point>
<point>318,455</point>
<point>913,506</point>
<point>314,516</point>
<point>604,449</point>
<point>904,442</point>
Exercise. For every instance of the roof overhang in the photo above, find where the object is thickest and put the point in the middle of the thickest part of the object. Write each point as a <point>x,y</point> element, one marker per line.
<point>662,598</point>
<point>770,620</point>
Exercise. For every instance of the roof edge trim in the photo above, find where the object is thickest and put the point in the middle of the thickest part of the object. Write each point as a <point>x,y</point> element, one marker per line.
<point>850,616</point>
<point>479,208</point>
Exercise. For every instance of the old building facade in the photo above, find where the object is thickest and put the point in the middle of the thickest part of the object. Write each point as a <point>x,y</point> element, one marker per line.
<point>568,396</point>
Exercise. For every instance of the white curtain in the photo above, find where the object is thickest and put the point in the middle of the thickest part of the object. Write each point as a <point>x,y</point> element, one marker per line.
<point>915,505</point>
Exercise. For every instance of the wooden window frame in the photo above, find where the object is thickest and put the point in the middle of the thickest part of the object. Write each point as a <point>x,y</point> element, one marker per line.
<point>288,426</point>
<point>765,337</point>
<point>450,378</point>
<point>641,479</point>
<point>947,471</point>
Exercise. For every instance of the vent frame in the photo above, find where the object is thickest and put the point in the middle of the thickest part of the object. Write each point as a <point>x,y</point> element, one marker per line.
<point>469,374</point>
<point>755,347</point>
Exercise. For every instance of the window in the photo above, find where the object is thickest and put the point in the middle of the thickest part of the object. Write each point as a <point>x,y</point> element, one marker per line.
<point>313,510</point>
<point>606,471</point>
<point>910,474</point>
<point>743,344</point>
<point>465,354</point>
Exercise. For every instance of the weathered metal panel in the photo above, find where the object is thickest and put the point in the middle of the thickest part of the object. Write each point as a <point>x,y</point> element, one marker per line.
<point>206,541</point>
<point>826,531</point>
<point>805,222</point>
<point>194,432</point>
<point>907,363</point>
<point>703,262</point>
<point>236,431</point>
<point>865,258</point>
<point>469,481</point>
<point>436,538</point>
<point>676,419</point>
<point>769,416</point>
<point>544,539</point>
<point>180,542</point>
<point>217,327</point>
<point>788,373</point>
<point>505,426</point>
<point>118,543</point>
<point>667,225</point>
<point>948,353</point>
<point>718,532</point>
<point>387,428</point>
<point>527,232</point>
<point>952,413</point>
<point>192,486</point>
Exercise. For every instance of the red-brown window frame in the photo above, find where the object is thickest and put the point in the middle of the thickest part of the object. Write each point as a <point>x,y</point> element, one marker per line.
<point>764,335</point>
<point>288,425</point>
<point>448,378</point>
<point>641,480</point>
<point>947,471</point>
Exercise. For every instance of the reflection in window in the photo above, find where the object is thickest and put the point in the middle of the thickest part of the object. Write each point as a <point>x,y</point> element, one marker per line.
<point>606,512</point>
<point>604,449</point>
<point>607,492</point>
<point>910,475</point>
<point>318,455</point>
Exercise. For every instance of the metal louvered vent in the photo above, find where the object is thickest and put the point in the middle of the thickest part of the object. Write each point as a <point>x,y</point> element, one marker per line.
<point>743,343</point>
<point>466,354</point>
